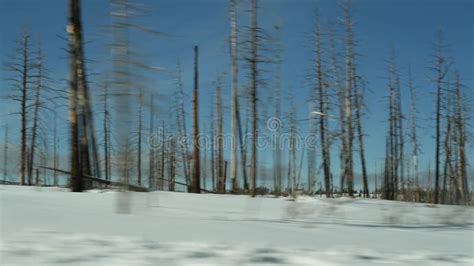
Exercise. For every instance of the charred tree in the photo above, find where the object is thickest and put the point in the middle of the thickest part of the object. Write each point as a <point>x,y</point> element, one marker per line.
<point>195,182</point>
<point>73,31</point>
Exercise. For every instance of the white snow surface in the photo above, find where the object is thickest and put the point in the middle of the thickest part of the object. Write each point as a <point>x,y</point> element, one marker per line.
<point>52,226</point>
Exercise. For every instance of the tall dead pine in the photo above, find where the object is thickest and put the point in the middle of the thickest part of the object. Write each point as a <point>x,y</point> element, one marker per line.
<point>348,94</point>
<point>73,31</point>
<point>234,94</point>
<point>195,182</point>
<point>253,95</point>
<point>440,69</point>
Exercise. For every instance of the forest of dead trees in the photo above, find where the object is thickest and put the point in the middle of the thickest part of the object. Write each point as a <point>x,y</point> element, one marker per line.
<point>122,133</point>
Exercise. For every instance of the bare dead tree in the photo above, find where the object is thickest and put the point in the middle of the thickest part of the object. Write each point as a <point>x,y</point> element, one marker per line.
<point>448,168</point>
<point>412,122</point>
<point>81,118</point>
<point>151,156</point>
<point>36,108</point>
<point>73,31</point>
<point>401,136</point>
<point>204,164</point>
<point>348,94</point>
<point>335,69</point>
<point>21,68</point>
<point>312,148</point>
<point>277,139</point>
<point>172,164</point>
<point>55,149</point>
<point>162,156</point>
<point>253,60</point>
<point>212,146</point>
<point>321,96</point>
<point>460,123</point>
<point>196,182</point>
<point>121,84</point>
<point>394,139</point>
<point>139,141</point>
<point>387,172</point>
<point>181,125</point>
<point>88,148</point>
<point>219,160</point>
<point>106,129</point>
<point>234,93</point>
<point>292,176</point>
<point>441,70</point>
<point>358,98</point>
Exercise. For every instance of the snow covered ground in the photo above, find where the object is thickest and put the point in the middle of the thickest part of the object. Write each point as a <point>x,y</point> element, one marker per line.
<point>51,226</point>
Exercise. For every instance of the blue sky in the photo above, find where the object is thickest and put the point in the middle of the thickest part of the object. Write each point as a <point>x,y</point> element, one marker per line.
<point>409,25</point>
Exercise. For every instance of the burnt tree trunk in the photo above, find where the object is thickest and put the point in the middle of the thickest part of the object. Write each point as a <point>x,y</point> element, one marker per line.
<point>196,182</point>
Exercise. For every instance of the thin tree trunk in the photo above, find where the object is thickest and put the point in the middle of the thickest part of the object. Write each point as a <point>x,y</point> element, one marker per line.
<point>277,144</point>
<point>24,80</point>
<point>292,155</point>
<point>55,149</point>
<point>462,183</point>
<point>412,125</point>
<point>447,153</point>
<point>220,162</point>
<point>204,166</point>
<point>243,152</point>
<point>320,90</point>
<point>106,127</point>
<point>253,95</point>
<point>440,63</point>
<point>234,100</point>
<point>151,171</point>
<point>341,110</point>
<point>196,182</point>
<point>182,132</point>
<point>34,130</point>
<point>312,148</point>
<point>358,97</point>
<point>162,165</point>
<point>212,139</point>
<point>361,144</point>
<point>139,155</point>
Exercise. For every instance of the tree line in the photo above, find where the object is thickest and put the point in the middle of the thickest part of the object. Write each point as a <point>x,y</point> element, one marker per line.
<point>337,93</point>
